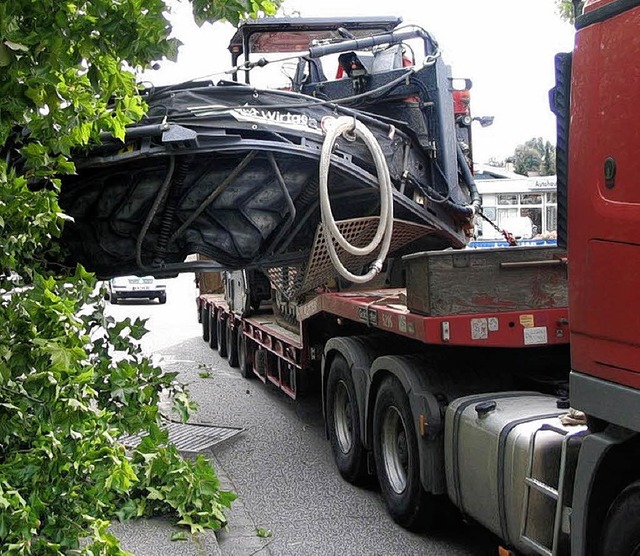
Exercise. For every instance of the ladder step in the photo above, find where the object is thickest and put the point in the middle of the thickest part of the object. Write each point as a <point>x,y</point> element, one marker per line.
<point>540,549</point>
<point>542,487</point>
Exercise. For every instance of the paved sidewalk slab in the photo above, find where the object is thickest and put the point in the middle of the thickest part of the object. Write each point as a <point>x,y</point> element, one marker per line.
<point>152,537</point>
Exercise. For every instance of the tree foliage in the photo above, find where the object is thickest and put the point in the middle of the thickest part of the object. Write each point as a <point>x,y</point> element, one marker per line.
<point>535,156</point>
<point>569,10</point>
<point>72,380</point>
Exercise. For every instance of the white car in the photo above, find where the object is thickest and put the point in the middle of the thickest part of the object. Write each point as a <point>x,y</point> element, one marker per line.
<point>136,287</point>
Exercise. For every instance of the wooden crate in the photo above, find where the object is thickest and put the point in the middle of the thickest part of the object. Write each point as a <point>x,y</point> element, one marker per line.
<point>456,282</point>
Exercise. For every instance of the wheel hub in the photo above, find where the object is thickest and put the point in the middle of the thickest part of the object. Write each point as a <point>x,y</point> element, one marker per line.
<point>395,451</point>
<point>343,422</point>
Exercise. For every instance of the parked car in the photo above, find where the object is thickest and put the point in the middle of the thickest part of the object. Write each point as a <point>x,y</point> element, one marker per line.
<point>136,287</point>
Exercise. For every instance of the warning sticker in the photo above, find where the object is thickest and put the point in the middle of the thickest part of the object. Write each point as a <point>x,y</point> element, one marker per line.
<point>536,335</point>
<point>527,321</point>
<point>494,325</point>
<point>479,329</point>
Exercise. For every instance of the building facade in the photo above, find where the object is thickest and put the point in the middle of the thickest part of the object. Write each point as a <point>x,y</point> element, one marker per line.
<point>510,199</point>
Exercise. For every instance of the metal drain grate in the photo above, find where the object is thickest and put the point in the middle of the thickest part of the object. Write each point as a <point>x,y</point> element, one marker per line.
<point>189,437</point>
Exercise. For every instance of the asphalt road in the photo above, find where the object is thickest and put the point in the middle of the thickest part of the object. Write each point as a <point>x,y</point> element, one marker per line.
<point>281,465</point>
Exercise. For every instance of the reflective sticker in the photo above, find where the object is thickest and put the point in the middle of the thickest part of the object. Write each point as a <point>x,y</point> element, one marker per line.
<point>387,320</point>
<point>479,329</point>
<point>536,335</point>
<point>370,316</point>
<point>527,321</point>
<point>402,323</point>
<point>308,309</point>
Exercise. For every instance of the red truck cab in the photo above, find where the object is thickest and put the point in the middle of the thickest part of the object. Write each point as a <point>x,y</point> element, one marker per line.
<point>596,99</point>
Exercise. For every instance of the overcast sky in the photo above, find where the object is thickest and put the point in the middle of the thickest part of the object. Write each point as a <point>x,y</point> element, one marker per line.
<point>506,47</point>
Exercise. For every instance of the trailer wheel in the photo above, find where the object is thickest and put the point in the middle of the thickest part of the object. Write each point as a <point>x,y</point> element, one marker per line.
<point>204,319</point>
<point>621,531</point>
<point>397,459</point>
<point>244,360</point>
<point>221,333</point>
<point>343,421</point>
<point>232,345</point>
<point>261,360</point>
<point>213,328</point>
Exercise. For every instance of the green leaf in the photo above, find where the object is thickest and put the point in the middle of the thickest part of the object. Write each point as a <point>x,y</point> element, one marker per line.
<point>180,536</point>
<point>16,46</point>
<point>5,56</point>
<point>263,533</point>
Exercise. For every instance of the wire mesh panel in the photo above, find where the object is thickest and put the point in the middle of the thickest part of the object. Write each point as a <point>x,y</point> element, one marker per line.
<point>294,281</point>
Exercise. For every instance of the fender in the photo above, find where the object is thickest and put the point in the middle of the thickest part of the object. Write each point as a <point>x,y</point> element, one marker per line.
<point>421,388</point>
<point>595,448</point>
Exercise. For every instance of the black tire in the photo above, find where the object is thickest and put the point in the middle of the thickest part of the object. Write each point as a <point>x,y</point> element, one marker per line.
<point>162,299</point>
<point>213,328</point>
<point>221,333</point>
<point>232,345</point>
<point>204,310</point>
<point>343,422</point>
<point>244,357</point>
<point>261,361</point>
<point>621,531</point>
<point>395,448</point>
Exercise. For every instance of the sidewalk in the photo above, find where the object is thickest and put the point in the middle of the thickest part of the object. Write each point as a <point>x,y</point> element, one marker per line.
<point>152,537</point>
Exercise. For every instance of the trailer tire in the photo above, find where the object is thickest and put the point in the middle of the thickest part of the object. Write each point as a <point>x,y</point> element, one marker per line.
<point>204,319</point>
<point>261,361</point>
<point>343,423</point>
<point>221,333</point>
<point>621,531</point>
<point>213,328</point>
<point>232,345</point>
<point>397,458</point>
<point>244,361</point>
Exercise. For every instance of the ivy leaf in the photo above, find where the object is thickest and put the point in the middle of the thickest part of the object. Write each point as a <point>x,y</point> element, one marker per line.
<point>16,46</point>
<point>5,56</point>
<point>179,536</point>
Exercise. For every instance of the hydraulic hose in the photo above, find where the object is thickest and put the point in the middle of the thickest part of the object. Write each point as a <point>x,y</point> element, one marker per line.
<point>344,125</point>
<point>467,176</point>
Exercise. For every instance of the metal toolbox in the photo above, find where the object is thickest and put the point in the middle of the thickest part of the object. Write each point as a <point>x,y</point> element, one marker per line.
<point>506,455</point>
<point>455,282</point>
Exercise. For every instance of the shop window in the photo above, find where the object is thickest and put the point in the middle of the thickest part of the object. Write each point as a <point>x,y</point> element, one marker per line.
<point>535,214</point>
<point>508,199</point>
<point>552,219</point>
<point>531,199</point>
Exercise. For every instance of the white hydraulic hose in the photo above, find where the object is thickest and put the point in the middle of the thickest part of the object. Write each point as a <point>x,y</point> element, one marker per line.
<point>384,232</point>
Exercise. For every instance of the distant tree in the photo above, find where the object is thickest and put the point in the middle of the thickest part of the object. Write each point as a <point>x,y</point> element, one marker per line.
<point>548,167</point>
<point>568,9</point>
<point>534,156</point>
